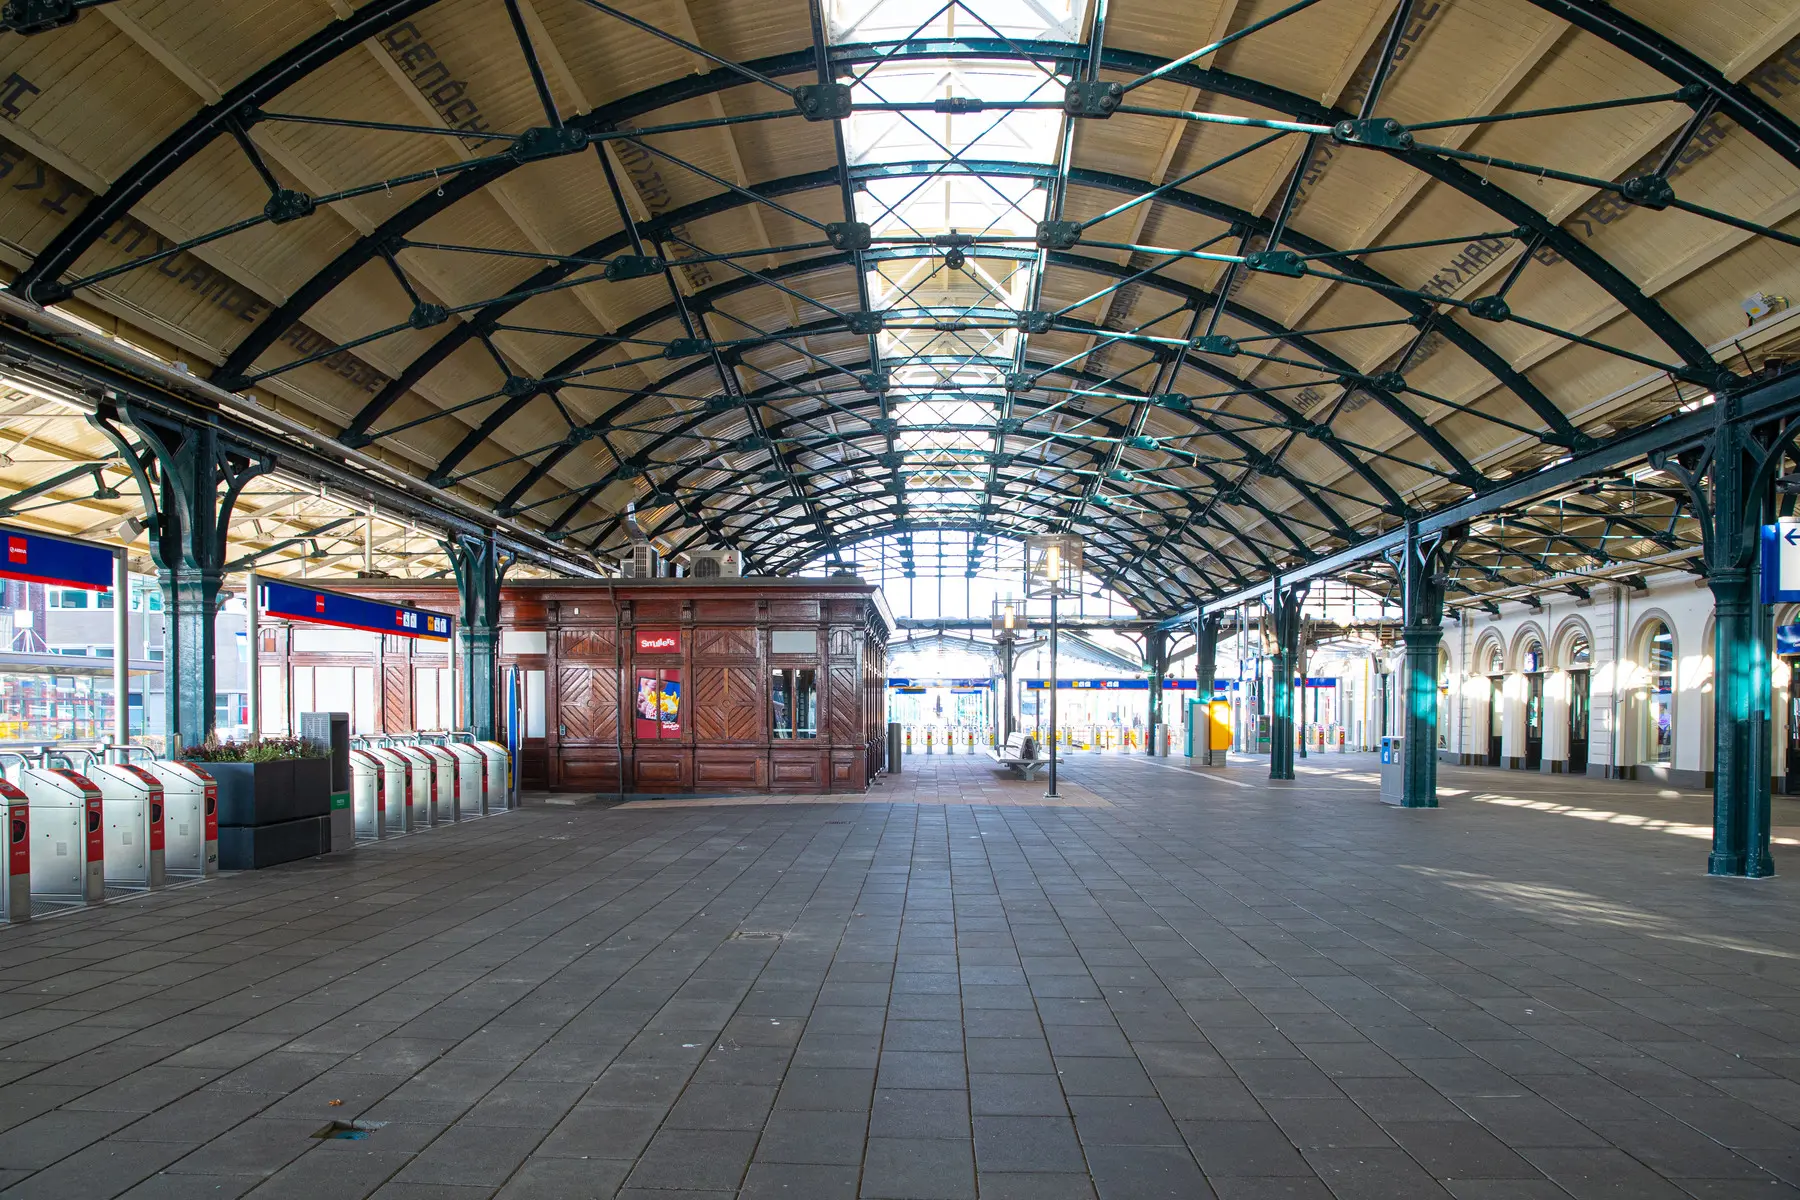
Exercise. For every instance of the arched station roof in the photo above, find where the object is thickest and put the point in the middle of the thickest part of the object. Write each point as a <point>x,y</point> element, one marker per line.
<point>1222,287</point>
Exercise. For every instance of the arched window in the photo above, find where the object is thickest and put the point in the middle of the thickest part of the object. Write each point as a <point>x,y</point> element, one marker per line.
<point>1580,656</point>
<point>1534,657</point>
<point>1659,697</point>
<point>1495,663</point>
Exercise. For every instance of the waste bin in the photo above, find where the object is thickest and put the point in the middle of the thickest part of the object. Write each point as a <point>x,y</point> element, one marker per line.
<point>1393,771</point>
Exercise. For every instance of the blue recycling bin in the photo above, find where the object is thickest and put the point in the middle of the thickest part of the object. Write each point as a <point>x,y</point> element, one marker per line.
<point>1389,746</point>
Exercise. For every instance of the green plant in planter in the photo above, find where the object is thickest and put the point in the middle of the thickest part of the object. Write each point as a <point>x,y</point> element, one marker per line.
<point>257,750</point>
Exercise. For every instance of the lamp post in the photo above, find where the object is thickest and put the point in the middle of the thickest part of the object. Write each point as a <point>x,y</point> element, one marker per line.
<point>1053,569</point>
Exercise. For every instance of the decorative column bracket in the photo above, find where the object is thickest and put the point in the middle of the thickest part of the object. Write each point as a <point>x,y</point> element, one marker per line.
<point>481,567</point>
<point>1729,478</point>
<point>1284,611</point>
<point>190,477</point>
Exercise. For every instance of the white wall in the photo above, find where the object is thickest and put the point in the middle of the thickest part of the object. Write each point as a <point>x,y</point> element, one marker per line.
<point>1614,621</point>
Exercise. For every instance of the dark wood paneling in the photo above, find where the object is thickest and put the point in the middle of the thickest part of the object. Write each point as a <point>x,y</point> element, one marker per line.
<point>793,610</point>
<point>396,696</point>
<point>736,612</point>
<point>655,612</point>
<point>795,770</point>
<point>587,771</point>
<point>587,704</point>
<point>534,764</point>
<point>843,707</point>
<point>735,769</point>
<point>728,704</point>
<point>724,643</point>
<point>847,768</point>
<point>660,771</point>
<point>586,643</point>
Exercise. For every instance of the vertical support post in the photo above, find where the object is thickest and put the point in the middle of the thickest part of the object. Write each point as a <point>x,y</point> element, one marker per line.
<point>1008,655</point>
<point>1051,794</point>
<point>253,635</point>
<point>1284,614</point>
<point>1156,650</point>
<point>1300,668</point>
<point>1206,672</point>
<point>122,649</point>
<point>480,566</point>
<point>1423,579</point>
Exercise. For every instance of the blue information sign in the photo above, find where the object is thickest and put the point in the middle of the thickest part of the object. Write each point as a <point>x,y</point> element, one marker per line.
<point>293,603</point>
<point>40,559</point>
<point>1143,685</point>
<point>1781,562</point>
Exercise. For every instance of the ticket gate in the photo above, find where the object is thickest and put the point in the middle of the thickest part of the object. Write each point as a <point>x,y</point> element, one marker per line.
<point>190,819</point>
<point>446,783</point>
<point>68,841</point>
<point>498,775</point>
<point>132,800</point>
<point>421,773</point>
<point>15,863</point>
<point>396,790</point>
<point>471,780</point>
<point>367,774</point>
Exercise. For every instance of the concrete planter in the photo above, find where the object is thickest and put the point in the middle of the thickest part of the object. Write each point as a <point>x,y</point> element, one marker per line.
<point>272,812</point>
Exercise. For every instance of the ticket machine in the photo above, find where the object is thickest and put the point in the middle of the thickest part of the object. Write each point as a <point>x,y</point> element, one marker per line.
<point>367,774</point>
<point>15,862</point>
<point>446,783</point>
<point>471,780</point>
<point>68,839</point>
<point>421,774</point>
<point>190,819</point>
<point>132,799</point>
<point>396,790</point>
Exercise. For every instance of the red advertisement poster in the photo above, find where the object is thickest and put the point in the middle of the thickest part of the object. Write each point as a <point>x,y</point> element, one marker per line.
<point>656,702</point>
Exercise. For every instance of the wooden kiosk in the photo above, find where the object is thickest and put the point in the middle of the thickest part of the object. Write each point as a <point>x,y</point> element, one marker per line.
<point>656,685</point>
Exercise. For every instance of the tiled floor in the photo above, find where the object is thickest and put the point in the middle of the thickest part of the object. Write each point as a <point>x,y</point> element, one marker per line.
<point>1204,985</point>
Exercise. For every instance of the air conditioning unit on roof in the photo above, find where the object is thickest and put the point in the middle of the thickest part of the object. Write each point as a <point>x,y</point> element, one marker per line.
<point>715,564</point>
<point>641,562</point>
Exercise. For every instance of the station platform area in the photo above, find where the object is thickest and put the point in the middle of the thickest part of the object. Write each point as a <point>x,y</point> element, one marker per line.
<point>1171,983</point>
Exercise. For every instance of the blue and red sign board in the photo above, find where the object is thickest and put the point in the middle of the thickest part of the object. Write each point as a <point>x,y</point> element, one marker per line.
<point>39,559</point>
<point>315,607</point>
<point>1143,685</point>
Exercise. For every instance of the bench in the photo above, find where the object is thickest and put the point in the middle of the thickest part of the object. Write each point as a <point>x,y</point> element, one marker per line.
<point>1019,755</point>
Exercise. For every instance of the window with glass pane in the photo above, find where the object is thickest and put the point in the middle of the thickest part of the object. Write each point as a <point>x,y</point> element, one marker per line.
<point>1659,712</point>
<point>795,699</point>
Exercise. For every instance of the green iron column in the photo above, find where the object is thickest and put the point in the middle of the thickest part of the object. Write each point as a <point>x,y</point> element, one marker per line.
<point>1156,653</point>
<point>1206,673</point>
<point>1423,572</point>
<point>480,566</point>
<point>1730,481</point>
<point>190,479</point>
<point>1284,614</point>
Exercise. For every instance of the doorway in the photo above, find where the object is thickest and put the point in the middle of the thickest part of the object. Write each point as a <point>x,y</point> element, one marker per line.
<point>1496,717</point>
<point>1578,722</point>
<point>1534,706</point>
<point>1793,727</point>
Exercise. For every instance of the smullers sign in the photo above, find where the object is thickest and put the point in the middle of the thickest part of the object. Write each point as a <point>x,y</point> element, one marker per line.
<point>658,642</point>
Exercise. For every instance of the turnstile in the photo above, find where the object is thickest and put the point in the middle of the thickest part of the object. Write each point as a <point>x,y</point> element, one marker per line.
<point>68,843</point>
<point>446,783</point>
<point>396,790</point>
<point>471,780</point>
<point>421,774</point>
<point>15,863</point>
<point>190,819</point>
<point>498,775</point>
<point>367,774</point>
<point>132,799</point>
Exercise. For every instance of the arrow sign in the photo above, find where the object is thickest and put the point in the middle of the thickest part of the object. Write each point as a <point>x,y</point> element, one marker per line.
<point>1781,562</point>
